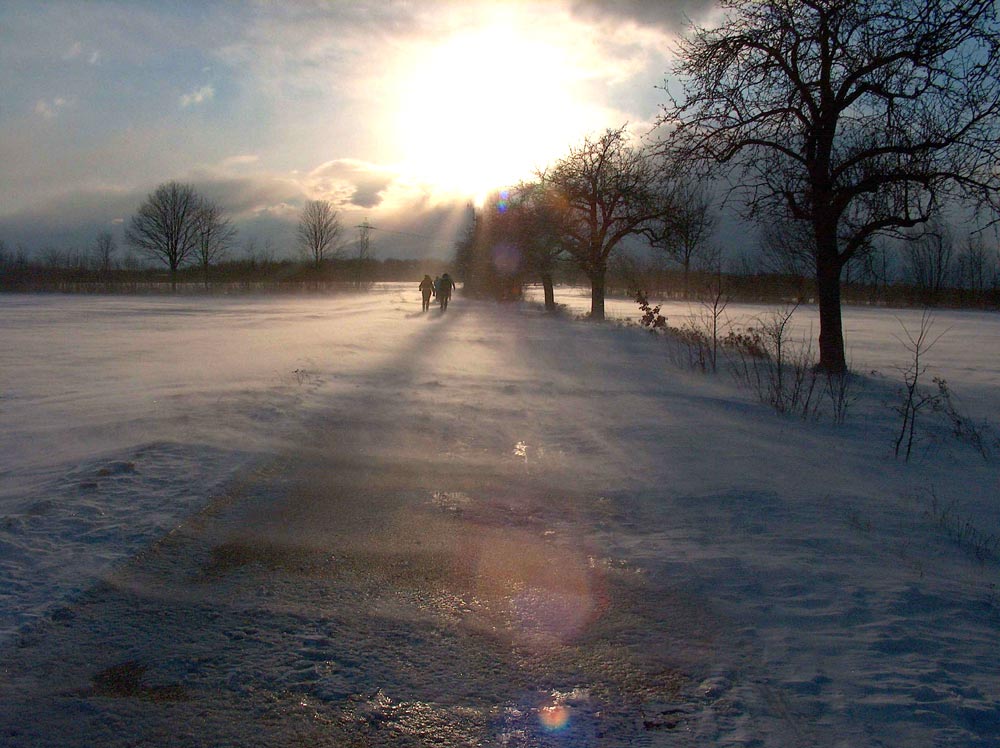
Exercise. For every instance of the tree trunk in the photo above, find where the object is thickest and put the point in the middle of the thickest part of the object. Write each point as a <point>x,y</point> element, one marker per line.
<point>831,330</point>
<point>597,294</point>
<point>550,296</point>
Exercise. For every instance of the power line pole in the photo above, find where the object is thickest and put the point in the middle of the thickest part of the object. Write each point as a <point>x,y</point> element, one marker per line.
<point>364,239</point>
<point>364,250</point>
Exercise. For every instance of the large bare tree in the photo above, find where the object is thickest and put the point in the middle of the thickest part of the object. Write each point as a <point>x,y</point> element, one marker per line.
<point>605,190</point>
<point>537,229</point>
<point>860,116</point>
<point>523,232</point>
<point>215,235</point>
<point>318,231</point>
<point>165,227</point>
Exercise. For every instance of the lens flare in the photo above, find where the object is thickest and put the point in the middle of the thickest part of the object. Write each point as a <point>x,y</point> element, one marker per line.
<point>553,716</point>
<point>506,258</point>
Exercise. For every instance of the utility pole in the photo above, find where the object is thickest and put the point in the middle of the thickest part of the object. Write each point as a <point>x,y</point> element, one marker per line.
<point>364,239</point>
<point>364,254</point>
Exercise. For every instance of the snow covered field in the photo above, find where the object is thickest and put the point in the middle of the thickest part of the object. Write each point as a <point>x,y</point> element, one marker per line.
<point>967,353</point>
<point>566,540</point>
<point>123,415</point>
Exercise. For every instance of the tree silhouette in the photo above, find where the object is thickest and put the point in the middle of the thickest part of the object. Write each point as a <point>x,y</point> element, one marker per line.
<point>683,232</point>
<point>318,231</point>
<point>104,250</point>
<point>603,191</point>
<point>537,230</point>
<point>859,116</point>
<point>165,227</point>
<point>215,234</point>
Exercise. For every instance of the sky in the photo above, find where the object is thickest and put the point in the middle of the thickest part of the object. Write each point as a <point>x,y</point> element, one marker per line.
<point>400,113</point>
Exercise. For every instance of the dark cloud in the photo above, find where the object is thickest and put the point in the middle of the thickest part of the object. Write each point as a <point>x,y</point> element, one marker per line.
<point>70,222</point>
<point>672,15</point>
<point>243,196</point>
<point>264,209</point>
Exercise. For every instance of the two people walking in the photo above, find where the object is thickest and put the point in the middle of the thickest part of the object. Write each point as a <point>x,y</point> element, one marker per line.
<point>441,287</point>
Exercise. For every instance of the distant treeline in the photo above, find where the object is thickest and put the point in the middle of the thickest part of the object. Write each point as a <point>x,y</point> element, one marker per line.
<point>745,283</point>
<point>770,288</point>
<point>80,274</point>
<point>245,275</point>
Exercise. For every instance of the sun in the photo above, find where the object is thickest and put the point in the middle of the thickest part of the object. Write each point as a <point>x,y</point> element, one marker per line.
<point>486,107</point>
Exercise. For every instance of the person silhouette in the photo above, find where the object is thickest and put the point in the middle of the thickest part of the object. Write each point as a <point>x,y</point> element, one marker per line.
<point>426,289</point>
<point>444,291</point>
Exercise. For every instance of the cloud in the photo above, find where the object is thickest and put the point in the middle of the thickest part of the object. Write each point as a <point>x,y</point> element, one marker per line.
<point>351,181</point>
<point>203,94</point>
<point>302,46</point>
<point>243,159</point>
<point>671,16</point>
<point>49,109</point>
<point>75,50</point>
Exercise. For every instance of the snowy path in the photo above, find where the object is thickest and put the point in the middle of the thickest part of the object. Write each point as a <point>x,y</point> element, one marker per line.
<point>505,534</point>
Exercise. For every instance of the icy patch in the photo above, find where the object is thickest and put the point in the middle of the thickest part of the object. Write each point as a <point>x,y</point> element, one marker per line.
<point>451,501</point>
<point>61,536</point>
<point>407,721</point>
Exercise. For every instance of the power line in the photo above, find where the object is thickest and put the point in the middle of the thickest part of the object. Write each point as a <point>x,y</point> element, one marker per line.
<point>370,227</point>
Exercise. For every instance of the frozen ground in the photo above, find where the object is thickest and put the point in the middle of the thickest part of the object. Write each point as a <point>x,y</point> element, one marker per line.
<point>966,354</point>
<point>342,522</point>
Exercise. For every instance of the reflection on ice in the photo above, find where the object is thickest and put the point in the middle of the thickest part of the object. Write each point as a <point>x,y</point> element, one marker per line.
<point>545,594</point>
<point>521,450</point>
<point>556,711</point>
<point>553,716</point>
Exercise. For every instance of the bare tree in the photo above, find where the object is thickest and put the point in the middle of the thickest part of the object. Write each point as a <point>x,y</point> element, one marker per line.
<point>505,242</point>
<point>858,116</point>
<point>104,251</point>
<point>257,255</point>
<point>165,228</point>
<point>914,398</point>
<point>684,231</point>
<point>318,231</point>
<point>215,235</point>
<point>929,260</point>
<point>978,266</point>
<point>531,223</point>
<point>604,190</point>
<point>539,235</point>
<point>876,271</point>
<point>787,246</point>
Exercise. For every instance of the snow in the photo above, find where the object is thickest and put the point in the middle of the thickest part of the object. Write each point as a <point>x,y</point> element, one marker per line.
<point>123,415</point>
<point>966,351</point>
<point>338,520</point>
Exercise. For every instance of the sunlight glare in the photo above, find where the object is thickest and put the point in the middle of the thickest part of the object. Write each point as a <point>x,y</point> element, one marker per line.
<point>486,107</point>
<point>553,716</point>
